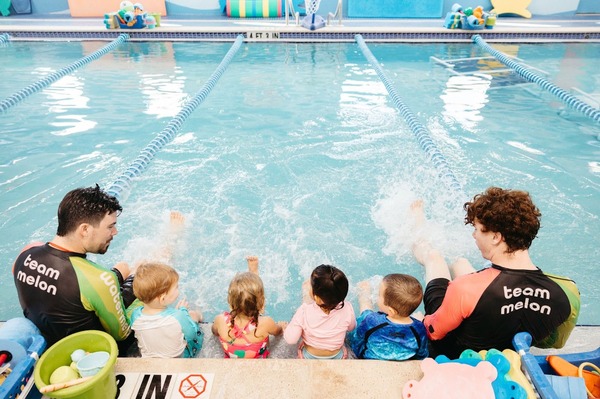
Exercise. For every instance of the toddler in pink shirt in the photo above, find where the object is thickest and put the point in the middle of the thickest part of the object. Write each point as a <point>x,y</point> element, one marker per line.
<point>323,321</point>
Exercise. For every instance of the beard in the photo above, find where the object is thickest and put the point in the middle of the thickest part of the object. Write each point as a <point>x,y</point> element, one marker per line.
<point>103,248</point>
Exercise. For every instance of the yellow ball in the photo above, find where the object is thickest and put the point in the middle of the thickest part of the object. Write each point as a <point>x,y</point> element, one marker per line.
<point>63,374</point>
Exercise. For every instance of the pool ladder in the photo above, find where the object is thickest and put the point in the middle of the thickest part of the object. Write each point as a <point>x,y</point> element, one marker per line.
<point>289,10</point>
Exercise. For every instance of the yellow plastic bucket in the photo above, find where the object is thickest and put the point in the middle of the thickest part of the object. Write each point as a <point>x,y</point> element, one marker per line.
<point>102,386</point>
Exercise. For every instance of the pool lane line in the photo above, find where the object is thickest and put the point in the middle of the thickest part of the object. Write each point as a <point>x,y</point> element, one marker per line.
<point>123,182</point>
<point>527,74</point>
<point>421,133</point>
<point>4,38</point>
<point>54,76</point>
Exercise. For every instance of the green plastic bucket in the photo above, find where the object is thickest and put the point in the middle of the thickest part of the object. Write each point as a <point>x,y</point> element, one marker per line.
<point>102,386</point>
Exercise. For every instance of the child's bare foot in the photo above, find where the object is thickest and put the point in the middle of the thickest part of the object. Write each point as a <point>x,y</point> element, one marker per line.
<point>252,263</point>
<point>364,286</point>
<point>418,213</point>
<point>176,221</point>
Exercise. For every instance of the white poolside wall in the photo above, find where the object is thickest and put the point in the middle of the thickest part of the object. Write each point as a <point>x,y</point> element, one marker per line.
<point>204,8</point>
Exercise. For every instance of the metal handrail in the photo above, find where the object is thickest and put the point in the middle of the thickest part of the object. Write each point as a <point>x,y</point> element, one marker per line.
<point>338,14</point>
<point>289,10</point>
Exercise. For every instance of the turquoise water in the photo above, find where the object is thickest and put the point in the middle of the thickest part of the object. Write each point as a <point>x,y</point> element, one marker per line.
<point>299,156</point>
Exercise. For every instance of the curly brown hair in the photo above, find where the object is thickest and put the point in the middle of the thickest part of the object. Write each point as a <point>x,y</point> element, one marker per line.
<point>511,213</point>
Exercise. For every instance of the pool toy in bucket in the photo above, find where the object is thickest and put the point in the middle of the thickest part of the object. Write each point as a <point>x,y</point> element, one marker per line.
<point>90,356</point>
<point>20,346</point>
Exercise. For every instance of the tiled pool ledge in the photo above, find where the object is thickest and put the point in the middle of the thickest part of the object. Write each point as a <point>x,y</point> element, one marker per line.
<point>278,31</point>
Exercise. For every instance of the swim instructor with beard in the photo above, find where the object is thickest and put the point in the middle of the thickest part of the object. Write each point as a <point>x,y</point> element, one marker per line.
<point>60,290</point>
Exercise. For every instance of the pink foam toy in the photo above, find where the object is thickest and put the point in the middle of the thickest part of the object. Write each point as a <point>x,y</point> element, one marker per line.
<point>452,381</point>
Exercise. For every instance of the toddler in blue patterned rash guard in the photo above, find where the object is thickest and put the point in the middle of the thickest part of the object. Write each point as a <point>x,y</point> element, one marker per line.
<point>391,333</point>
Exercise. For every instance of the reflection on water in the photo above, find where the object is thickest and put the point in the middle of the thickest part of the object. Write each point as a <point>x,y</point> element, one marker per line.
<point>298,156</point>
<point>67,95</point>
<point>464,97</point>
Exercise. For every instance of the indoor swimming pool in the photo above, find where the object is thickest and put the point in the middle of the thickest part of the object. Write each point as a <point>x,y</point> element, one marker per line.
<point>299,155</point>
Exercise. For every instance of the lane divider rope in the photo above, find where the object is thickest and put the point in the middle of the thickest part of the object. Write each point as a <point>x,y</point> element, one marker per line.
<point>4,38</point>
<point>54,76</point>
<point>122,184</point>
<point>421,133</point>
<point>524,72</point>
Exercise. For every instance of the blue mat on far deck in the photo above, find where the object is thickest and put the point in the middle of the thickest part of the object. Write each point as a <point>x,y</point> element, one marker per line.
<point>395,8</point>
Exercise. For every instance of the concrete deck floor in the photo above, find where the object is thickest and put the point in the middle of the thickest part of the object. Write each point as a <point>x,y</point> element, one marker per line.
<point>284,376</point>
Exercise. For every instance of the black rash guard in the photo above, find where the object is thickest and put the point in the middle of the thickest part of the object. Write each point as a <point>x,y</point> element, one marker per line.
<point>63,293</point>
<point>485,309</point>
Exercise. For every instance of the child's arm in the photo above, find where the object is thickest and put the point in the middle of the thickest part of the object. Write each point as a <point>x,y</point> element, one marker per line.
<point>252,264</point>
<point>271,327</point>
<point>217,323</point>
<point>293,331</point>
<point>194,314</point>
<point>364,296</point>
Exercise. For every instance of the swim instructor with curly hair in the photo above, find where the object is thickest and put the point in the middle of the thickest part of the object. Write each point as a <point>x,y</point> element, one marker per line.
<point>480,310</point>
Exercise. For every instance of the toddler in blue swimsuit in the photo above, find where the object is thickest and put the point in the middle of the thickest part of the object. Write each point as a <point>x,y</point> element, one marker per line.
<point>391,333</point>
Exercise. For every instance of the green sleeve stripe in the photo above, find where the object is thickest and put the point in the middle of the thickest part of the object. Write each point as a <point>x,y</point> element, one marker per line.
<point>100,292</point>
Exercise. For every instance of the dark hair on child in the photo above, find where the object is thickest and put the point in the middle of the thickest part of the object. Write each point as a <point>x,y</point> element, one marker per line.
<point>403,293</point>
<point>331,285</point>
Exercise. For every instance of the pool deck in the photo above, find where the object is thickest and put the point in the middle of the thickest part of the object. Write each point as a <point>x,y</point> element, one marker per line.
<point>283,376</point>
<point>579,28</point>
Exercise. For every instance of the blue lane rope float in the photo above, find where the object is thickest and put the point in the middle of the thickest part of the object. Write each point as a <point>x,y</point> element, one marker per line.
<point>524,72</point>
<point>420,132</point>
<point>54,76</point>
<point>123,182</point>
<point>4,38</point>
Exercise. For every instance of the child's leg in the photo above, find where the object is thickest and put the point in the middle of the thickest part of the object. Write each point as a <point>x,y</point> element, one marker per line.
<point>364,296</point>
<point>176,224</point>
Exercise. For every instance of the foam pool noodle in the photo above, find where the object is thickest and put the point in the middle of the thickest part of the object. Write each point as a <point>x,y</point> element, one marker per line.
<point>516,374</point>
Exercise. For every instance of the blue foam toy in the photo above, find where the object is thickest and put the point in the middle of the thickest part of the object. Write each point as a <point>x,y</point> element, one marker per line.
<point>503,386</point>
<point>453,20</point>
<point>21,335</point>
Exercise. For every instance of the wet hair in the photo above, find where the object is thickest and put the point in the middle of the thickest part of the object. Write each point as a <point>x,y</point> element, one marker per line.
<point>331,285</point>
<point>246,297</point>
<point>84,205</point>
<point>403,293</point>
<point>153,279</point>
<point>508,212</point>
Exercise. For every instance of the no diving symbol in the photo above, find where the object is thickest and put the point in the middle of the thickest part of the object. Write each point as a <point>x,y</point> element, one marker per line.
<point>192,386</point>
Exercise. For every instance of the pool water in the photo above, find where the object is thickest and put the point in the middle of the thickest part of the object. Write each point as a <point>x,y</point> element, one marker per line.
<point>299,156</point>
